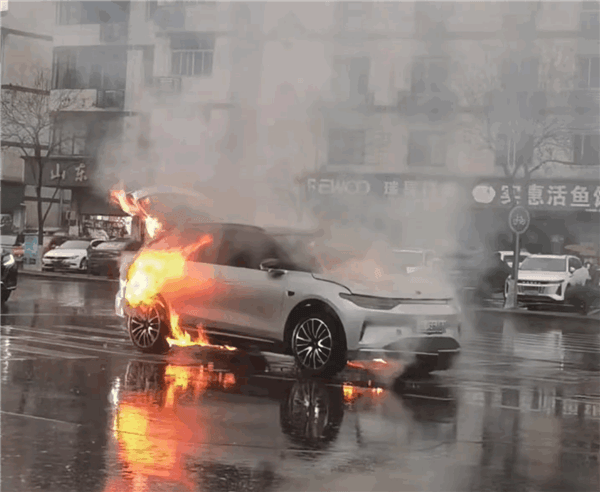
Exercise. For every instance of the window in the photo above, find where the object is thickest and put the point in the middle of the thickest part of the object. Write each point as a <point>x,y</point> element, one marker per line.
<point>69,140</point>
<point>511,153</point>
<point>521,72</point>
<point>353,13</point>
<point>429,75</point>
<point>585,149</point>
<point>589,72</point>
<point>589,24</point>
<point>90,12</point>
<point>89,68</point>
<point>346,147</point>
<point>426,149</point>
<point>192,54</point>
<point>575,263</point>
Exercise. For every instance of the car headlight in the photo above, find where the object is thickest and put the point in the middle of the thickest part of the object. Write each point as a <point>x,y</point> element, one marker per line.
<point>8,260</point>
<point>369,302</point>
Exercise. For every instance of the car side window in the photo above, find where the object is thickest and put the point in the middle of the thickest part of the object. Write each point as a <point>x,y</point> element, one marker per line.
<point>208,253</point>
<point>237,249</point>
<point>574,263</point>
<point>133,246</point>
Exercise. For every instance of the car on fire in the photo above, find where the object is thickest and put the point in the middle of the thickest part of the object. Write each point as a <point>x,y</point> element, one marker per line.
<point>247,287</point>
<point>550,279</point>
<point>9,274</point>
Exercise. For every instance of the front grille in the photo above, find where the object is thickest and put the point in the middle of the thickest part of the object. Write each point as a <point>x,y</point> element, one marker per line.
<point>538,282</point>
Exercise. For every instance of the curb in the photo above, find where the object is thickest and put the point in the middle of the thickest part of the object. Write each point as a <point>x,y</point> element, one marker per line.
<point>55,276</point>
<point>593,316</point>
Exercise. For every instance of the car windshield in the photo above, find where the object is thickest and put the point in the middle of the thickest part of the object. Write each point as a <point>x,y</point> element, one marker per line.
<point>113,245</point>
<point>75,245</point>
<point>408,258</point>
<point>544,264</point>
<point>8,240</point>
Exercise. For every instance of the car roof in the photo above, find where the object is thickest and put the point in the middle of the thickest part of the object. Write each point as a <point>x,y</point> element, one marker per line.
<point>558,257</point>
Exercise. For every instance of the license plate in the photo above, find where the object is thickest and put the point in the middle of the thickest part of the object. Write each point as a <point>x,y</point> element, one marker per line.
<point>434,327</point>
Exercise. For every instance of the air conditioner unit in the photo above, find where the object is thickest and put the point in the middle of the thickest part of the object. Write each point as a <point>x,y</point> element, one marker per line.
<point>167,85</point>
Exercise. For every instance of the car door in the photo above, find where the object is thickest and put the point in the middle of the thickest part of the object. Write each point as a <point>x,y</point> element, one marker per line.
<point>253,301</point>
<point>196,294</point>
<point>579,274</point>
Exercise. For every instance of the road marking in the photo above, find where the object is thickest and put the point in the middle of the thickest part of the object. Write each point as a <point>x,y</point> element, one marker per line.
<point>56,421</point>
<point>48,353</point>
<point>116,341</point>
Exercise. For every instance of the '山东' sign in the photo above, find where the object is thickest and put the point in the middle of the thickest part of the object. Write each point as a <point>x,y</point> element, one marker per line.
<point>553,195</point>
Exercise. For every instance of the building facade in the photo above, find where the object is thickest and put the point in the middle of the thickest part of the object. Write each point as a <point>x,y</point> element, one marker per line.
<point>364,113</point>
<point>26,50</point>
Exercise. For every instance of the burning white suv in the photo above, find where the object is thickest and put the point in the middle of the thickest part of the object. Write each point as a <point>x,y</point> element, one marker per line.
<point>243,287</point>
<point>549,278</point>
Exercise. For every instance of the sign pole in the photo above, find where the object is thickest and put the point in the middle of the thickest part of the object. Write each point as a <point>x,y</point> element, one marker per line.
<point>518,221</point>
<point>514,301</point>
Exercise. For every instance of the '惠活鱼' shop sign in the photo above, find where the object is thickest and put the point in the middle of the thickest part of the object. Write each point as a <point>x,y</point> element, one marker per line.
<point>566,196</point>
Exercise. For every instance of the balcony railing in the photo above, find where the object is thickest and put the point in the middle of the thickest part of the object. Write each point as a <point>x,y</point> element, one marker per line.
<point>110,99</point>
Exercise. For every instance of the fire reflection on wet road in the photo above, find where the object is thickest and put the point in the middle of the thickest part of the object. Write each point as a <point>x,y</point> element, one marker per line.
<point>82,410</point>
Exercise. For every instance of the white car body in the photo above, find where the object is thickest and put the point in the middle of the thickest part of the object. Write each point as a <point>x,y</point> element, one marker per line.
<point>67,258</point>
<point>386,316</point>
<point>423,258</point>
<point>539,285</point>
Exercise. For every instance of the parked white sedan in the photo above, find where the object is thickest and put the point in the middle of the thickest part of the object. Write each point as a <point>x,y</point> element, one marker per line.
<point>71,255</point>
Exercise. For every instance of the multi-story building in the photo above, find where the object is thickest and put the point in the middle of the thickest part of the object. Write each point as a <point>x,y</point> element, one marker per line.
<point>412,85</point>
<point>376,106</point>
<point>26,51</point>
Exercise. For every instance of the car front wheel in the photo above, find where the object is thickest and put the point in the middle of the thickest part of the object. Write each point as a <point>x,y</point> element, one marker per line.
<point>149,330</point>
<point>318,346</point>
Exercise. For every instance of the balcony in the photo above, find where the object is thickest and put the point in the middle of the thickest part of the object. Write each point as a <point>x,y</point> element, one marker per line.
<point>88,99</point>
<point>110,99</point>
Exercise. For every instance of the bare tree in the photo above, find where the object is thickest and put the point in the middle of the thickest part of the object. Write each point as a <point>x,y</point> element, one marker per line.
<point>521,108</point>
<point>29,115</point>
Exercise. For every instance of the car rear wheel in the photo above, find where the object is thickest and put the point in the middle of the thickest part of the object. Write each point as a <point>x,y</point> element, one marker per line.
<point>318,346</point>
<point>149,330</point>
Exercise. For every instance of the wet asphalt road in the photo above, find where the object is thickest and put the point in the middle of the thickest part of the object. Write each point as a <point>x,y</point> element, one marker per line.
<point>83,411</point>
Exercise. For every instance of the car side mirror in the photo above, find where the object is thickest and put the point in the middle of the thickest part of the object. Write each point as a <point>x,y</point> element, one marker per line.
<point>272,267</point>
<point>571,269</point>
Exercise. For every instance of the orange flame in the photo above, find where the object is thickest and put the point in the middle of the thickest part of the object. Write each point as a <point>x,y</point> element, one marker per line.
<point>133,207</point>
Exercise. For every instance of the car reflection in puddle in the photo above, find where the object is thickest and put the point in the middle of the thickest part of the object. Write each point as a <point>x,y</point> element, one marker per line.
<point>203,422</point>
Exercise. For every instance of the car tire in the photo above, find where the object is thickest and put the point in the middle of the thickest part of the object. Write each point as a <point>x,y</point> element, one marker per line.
<point>148,331</point>
<point>318,345</point>
<point>83,266</point>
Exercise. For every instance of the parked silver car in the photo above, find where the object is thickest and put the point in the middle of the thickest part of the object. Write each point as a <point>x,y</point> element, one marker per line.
<point>264,294</point>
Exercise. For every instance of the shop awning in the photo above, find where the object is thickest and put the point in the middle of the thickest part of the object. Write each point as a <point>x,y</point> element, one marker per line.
<point>94,204</point>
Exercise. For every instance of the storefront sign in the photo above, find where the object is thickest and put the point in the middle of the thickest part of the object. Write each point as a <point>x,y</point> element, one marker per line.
<point>56,173</point>
<point>383,185</point>
<point>541,195</point>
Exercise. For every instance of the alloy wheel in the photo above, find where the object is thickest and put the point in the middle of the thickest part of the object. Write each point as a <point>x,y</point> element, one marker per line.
<point>145,331</point>
<point>313,343</point>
